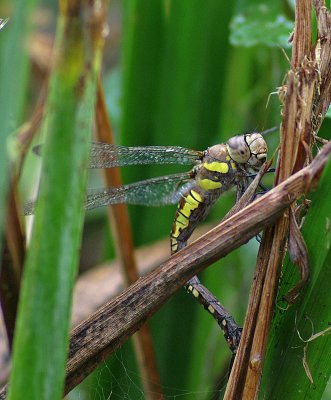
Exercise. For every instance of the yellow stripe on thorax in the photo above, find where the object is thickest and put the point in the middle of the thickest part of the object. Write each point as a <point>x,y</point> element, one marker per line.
<point>208,184</point>
<point>217,166</point>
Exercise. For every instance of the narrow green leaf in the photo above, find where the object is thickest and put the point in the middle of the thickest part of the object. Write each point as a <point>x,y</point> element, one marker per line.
<point>14,69</point>
<point>41,337</point>
<point>284,374</point>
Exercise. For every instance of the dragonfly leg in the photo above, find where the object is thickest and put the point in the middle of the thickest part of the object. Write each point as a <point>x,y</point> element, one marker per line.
<point>261,186</point>
<point>231,331</point>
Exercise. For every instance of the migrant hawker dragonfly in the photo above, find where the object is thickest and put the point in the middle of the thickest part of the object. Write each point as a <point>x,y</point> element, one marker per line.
<point>215,170</point>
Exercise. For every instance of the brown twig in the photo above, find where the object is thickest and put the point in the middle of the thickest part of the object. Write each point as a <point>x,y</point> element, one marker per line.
<point>11,264</point>
<point>28,130</point>
<point>302,96</point>
<point>322,51</point>
<point>302,32</point>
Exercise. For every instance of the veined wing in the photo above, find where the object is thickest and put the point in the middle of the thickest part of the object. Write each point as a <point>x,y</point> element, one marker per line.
<point>151,192</point>
<point>103,155</point>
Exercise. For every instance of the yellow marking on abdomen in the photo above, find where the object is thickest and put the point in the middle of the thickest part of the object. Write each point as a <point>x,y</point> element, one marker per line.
<point>194,198</point>
<point>190,205</point>
<point>192,201</point>
<point>174,244</point>
<point>176,232</point>
<point>208,184</point>
<point>186,210</point>
<point>196,195</point>
<point>182,219</point>
<point>211,309</point>
<point>217,166</point>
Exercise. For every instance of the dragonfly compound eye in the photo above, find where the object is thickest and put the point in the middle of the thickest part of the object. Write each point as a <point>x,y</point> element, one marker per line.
<point>258,149</point>
<point>238,149</point>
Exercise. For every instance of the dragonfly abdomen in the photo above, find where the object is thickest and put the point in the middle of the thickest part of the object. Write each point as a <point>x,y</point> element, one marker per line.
<point>189,212</point>
<point>213,176</point>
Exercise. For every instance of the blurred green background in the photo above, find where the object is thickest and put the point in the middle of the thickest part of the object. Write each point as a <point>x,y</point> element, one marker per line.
<point>189,73</point>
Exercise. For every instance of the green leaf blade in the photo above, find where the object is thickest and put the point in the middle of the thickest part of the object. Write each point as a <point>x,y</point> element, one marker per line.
<point>41,337</point>
<point>309,316</point>
<point>14,72</point>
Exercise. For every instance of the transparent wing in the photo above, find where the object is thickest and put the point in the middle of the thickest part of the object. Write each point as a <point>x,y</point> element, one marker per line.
<point>151,192</point>
<point>104,155</point>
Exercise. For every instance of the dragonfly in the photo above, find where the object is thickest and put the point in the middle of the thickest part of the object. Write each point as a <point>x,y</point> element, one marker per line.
<point>215,170</point>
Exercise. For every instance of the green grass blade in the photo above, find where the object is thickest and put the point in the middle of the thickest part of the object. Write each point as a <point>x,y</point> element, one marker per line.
<point>14,69</point>
<point>284,373</point>
<point>41,337</point>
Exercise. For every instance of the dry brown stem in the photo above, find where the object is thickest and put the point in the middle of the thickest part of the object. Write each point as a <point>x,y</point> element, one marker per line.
<point>305,100</point>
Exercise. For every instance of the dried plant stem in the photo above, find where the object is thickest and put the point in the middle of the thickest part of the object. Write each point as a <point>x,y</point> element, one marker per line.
<point>303,94</point>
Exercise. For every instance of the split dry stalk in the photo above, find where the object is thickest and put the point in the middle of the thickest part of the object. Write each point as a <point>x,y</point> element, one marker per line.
<point>305,99</point>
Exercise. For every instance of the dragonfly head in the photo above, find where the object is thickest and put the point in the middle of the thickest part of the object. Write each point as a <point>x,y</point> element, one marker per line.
<point>248,149</point>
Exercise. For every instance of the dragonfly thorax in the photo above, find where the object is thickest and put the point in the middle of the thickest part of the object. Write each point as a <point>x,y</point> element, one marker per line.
<point>248,149</point>
<point>217,171</point>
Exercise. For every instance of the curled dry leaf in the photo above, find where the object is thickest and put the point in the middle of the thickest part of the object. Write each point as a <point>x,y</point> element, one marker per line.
<point>299,256</point>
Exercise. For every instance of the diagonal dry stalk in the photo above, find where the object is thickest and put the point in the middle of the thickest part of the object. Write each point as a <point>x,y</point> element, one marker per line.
<point>96,338</point>
<point>305,99</point>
